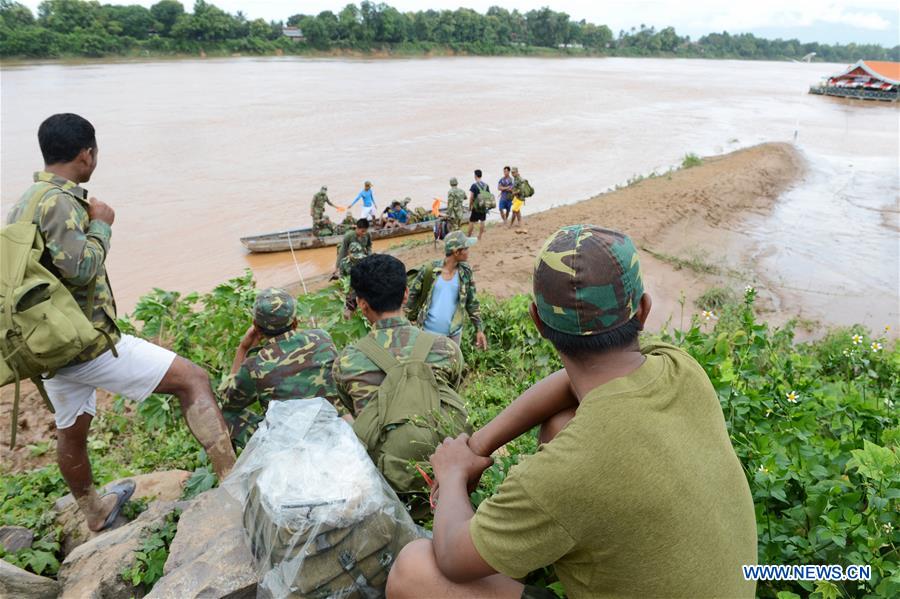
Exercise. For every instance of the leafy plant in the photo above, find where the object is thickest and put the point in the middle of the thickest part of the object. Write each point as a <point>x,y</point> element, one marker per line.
<point>151,556</point>
<point>691,160</point>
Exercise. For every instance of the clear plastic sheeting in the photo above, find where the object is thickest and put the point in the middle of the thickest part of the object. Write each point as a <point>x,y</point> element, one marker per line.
<point>321,520</point>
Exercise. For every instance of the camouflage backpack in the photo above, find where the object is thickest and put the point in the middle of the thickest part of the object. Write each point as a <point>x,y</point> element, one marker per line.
<point>485,200</point>
<point>410,416</point>
<point>412,310</point>
<point>526,189</point>
<point>42,328</point>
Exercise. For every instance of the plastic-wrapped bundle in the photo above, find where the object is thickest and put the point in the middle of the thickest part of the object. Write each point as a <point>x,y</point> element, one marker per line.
<point>321,520</point>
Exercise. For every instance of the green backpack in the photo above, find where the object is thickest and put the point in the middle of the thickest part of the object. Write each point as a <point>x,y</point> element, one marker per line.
<point>42,328</point>
<point>412,310</point>
<point>485,200</point>
<point>410,416</point>
<point>526,189</point>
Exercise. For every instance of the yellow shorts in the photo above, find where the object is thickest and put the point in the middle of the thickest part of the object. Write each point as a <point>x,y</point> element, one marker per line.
<point>517,204</point>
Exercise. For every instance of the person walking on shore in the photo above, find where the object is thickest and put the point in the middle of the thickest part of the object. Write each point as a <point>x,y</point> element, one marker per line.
<point>505,186</point>
<point>443,293</point>
<point>455,199</point>
<point>368,200</point>
<point>76,231</point>
<point>477,213</point>
<point>518,202</point>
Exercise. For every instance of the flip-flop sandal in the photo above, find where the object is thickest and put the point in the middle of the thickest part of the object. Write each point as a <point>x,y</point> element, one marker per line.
<point>123,492</point>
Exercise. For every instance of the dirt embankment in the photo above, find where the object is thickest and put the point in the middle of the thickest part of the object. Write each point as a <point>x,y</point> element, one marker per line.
<point>676,219</point>
<point>679,220</point>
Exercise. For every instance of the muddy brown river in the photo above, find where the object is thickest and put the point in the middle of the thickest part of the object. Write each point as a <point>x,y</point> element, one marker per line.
<point>197,153</point>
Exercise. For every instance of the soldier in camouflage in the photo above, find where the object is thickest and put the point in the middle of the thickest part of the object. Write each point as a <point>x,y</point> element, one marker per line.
<point>76,232</point>
<point>356,377</point>
<point>455,199</point>
<point>322,225</point>
<point>276,361</point>
<point>453,279</point>
<point>518,202</point>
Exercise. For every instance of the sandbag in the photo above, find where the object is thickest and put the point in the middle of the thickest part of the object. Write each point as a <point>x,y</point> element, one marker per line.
<point>320,519</point>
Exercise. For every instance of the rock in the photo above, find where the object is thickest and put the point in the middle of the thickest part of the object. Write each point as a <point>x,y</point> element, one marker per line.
<point>93,570</point>
<point>209,556</point>
<point>161,486</point>
<point>16,582</point>
<point>13,538</point>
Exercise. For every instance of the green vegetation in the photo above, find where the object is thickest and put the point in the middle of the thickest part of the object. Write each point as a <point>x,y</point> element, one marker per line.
<point>151,556</point>
<point>814,426</point>
<point>81,28</point>
<point>694,263</point>
<point>715,299</point>
<point>690,160</point>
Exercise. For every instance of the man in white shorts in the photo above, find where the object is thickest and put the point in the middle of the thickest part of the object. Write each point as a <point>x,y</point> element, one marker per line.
<point>76,233</point>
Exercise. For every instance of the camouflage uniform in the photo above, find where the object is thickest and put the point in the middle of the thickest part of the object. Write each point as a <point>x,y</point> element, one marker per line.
<point>455,199</point>
<point>587,296</point>
<point>76,249</point>
<point>517,184</point>
<point>352,250</point>
<point>357,378</point>
<point>293,364</point>
<point>322,225</point>
<point>466,303</point>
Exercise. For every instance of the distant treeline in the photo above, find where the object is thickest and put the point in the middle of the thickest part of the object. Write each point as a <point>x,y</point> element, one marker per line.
<point>79,28</point>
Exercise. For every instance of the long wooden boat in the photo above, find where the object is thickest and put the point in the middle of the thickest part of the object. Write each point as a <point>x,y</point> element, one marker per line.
<point>304,239</point>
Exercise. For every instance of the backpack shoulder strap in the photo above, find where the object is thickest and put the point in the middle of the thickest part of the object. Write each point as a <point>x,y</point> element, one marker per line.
<point>422,346</point>
<point>27,215</point>
<point>380,356</point>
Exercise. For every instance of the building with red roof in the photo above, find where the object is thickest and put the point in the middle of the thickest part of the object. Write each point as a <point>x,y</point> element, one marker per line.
<point>867,80</point>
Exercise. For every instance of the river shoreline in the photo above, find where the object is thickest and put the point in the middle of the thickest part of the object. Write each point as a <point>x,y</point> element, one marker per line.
<point>683,222</point>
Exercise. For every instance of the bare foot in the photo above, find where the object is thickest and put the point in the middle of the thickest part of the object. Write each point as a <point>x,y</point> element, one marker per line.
<point>95,521</point>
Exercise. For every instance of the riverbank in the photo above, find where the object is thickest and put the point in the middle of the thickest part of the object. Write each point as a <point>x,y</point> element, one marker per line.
<point>682,221</point>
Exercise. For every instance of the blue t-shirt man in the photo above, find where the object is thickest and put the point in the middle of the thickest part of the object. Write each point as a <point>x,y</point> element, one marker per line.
<point>505,203</point>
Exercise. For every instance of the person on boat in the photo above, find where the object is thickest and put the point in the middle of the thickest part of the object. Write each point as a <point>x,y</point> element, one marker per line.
<point>505,186</point>
<point>443,293</point>
<point>368,200</point>
<point>396,216</point>
<point>76,233</point>
<point>275,360</point>
<point>635,491</point>
<point>322,225</point>
<point>455,199</point>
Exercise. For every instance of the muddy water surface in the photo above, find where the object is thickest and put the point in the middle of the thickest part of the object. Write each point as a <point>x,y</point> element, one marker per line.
<point>197,153</point>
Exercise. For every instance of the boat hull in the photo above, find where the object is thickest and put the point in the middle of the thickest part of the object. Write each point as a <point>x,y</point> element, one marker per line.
<point>304,239</point>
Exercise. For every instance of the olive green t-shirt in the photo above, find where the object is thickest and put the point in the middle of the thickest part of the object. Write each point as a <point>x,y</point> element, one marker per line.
<point>640,495</point>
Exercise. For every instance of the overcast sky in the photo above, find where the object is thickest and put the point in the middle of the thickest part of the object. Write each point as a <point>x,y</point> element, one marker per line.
<point>860,21</point>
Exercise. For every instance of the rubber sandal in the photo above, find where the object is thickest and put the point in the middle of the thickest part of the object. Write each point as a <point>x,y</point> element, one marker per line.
<point>123,492</point>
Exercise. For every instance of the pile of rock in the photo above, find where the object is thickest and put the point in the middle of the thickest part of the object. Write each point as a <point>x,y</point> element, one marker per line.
<point>209,556</point>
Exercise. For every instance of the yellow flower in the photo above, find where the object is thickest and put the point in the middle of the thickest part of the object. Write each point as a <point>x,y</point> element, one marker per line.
<point>792,397</point>
<point>876,347</point>
<point>763,469</point>
<point>857,339</point>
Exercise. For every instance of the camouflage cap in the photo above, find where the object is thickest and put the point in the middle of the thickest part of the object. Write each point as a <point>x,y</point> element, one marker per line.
<point>514,169</point>
<point>453,181</point>
<point>274,309</point>
<point>587,280</point>
<point>457,240</point>
<point>324,188</point>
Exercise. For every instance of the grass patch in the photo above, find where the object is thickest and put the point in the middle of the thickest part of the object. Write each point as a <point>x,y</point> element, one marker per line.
<point>691,160</point>
<point>694,263</point>
<point>715,299</point>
